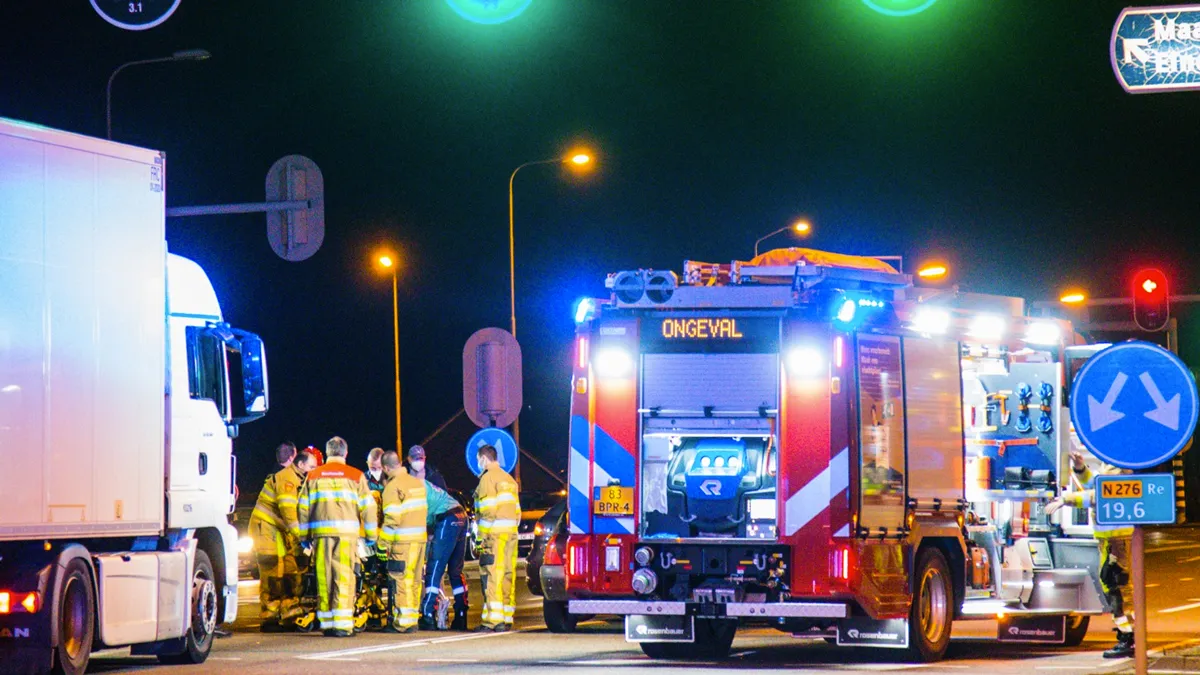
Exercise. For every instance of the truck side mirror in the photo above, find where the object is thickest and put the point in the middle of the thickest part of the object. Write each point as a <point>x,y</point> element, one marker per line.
<point>248,393</point>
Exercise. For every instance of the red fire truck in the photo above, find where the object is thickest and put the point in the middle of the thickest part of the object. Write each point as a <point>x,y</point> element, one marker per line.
<point>807,441</point>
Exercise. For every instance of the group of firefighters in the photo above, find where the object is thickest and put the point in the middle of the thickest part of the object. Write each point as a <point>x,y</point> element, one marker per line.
<point>400,512</point>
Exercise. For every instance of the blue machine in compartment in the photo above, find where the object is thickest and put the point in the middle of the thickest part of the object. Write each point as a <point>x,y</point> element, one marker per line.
<point>716,470</point>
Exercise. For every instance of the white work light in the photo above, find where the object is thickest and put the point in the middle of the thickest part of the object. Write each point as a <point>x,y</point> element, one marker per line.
<point>1043,333</point>
<point>931,321</point>
<point>987,327</point>
<point>805,362</point>
<point>613,362</point>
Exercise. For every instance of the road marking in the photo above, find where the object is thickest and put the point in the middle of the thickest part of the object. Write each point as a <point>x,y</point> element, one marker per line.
<point>1180,608</point>
<point>1089,667</point>
<point>359,651</point>
<point>1176,645</point>
<point>447,660</point>
<point>1192,559</point>
<point>1167,549</point>
<point>1152,585</point>
<point>1188,579</point>
<point>225,658</point>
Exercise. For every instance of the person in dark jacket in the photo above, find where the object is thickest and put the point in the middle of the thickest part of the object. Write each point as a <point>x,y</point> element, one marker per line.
<point>418,468</point>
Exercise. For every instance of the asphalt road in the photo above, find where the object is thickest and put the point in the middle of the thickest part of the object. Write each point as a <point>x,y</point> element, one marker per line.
<point>1173,568</point>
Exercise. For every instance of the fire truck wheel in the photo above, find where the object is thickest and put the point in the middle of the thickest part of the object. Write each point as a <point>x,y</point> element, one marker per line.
<point>557,618</point>
<point>932,607</point>
<point>1077,628</point>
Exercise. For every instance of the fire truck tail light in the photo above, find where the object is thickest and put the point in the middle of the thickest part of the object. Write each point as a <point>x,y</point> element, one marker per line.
<point>839,563</point>
<point>581,347</point>
<point>5,602</point>
<point>838,347</point>
<point>805,362</point>
<point>577,554</point>
<point>32,603</point>
<point>613,362</point>
<point>612,558</point>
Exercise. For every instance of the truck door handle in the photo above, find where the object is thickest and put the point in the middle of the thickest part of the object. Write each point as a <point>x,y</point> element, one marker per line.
<point>203,463</point>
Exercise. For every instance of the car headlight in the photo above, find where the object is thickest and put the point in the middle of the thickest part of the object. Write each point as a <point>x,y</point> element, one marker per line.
<point>245,545</point>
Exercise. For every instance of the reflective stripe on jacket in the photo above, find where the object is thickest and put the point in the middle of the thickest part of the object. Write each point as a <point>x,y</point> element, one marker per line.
<point>496,504</point>
<point>1086,499</point>
<point>404,509</point>
<point>336,502</point>
<point>277,501</point>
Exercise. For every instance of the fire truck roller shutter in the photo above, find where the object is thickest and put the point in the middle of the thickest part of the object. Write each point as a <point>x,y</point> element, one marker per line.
<point>935,419</point>
<point>725,383</point>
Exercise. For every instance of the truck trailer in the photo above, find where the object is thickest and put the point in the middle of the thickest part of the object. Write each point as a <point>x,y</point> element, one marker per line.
<point>121,389</point>
<point>808,441</point>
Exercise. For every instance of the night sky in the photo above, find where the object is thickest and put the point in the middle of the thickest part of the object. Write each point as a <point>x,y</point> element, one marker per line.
<point>990,134</point>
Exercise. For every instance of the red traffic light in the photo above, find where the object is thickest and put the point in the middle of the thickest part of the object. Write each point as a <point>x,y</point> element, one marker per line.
<point>1151,303</point>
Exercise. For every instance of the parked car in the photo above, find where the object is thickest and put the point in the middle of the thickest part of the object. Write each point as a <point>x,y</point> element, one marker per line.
<point>247,563</point>
<point>534,506</point>
<point>543,531</point>
<point>553,579</point>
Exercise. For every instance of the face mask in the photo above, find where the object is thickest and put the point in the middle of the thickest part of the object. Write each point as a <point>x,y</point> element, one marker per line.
<point>376,473</point>
<point>418,465</point>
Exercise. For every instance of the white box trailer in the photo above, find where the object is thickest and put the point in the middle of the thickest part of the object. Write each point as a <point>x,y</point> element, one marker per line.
<point>120,390</point>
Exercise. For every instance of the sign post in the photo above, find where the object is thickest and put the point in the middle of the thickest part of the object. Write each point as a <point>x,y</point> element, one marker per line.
<point>1135,426</point>
<point>492,384</point>
<point>1157,49</point>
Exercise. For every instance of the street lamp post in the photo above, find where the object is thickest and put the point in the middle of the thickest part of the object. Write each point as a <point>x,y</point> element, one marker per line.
<point>578,159</point>
<point>388,263</point>
<point>184,55</point>
<point>800,227</point>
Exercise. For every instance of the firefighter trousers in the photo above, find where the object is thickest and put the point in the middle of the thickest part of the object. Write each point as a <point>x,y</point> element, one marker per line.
<point>446,550</point>
<point>406,560</point>
<point>278,574</point>
<point>1114,576</point>
<point>334,559</point>
<point>497,571</point>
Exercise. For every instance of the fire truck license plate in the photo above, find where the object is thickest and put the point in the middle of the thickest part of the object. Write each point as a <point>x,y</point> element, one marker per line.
<point>1122,488</point>
<point>614,501</point>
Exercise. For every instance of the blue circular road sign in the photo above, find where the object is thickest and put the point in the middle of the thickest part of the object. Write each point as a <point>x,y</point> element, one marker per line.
<point>501,440</point>
<point>1134,405</point>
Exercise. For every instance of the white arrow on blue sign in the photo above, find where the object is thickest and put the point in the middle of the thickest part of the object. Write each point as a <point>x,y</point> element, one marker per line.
<point>1134,405</point>
<point>1157,48</point>
<point>501,440</point>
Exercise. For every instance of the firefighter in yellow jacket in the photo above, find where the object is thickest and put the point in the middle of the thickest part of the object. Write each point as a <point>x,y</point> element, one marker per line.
<point>498,511</point>
<point>403,539</point>
<point>276,533</point>
<point>1114,552</point>
<point>334,504</point>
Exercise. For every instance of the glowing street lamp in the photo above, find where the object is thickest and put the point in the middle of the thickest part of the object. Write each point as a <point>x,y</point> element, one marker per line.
<point>933,271</point>
<point>388,262</point>
<point>1073,298</point>
<point>800,227</point>
<point>579,159</point>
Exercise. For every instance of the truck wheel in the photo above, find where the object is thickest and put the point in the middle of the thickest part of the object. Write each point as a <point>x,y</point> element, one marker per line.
<point>76,619</point>
<point>1077,628</point>
<point>932,611</point>
<point>714,639</point>
<point>199,637</point>
<point>558,619</point>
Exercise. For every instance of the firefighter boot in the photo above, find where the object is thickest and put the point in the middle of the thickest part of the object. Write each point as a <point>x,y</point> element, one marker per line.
<point>1124,647</point>
<point>460,612</point>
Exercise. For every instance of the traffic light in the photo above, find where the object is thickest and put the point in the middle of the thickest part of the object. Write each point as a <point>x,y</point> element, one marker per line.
<point>1151,304</point>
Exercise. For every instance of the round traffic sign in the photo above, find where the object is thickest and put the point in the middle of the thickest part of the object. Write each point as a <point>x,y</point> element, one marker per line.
<point>501,440</point>
<point>135,15</point>
<point>1134,405</point>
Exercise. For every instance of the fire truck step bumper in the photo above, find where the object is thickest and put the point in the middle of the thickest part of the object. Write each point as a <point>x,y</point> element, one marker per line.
<point>805,610</point>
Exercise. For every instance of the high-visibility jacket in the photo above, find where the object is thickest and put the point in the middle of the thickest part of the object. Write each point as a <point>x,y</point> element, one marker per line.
<point>1086,499</point>
<point>404,509</point>
<point>497,507</point>
<point>336,502</point>
<point>277,501</point>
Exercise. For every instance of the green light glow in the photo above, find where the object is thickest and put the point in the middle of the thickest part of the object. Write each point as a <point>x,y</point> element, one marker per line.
<point>899,7</point>
<point>489,11</point>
